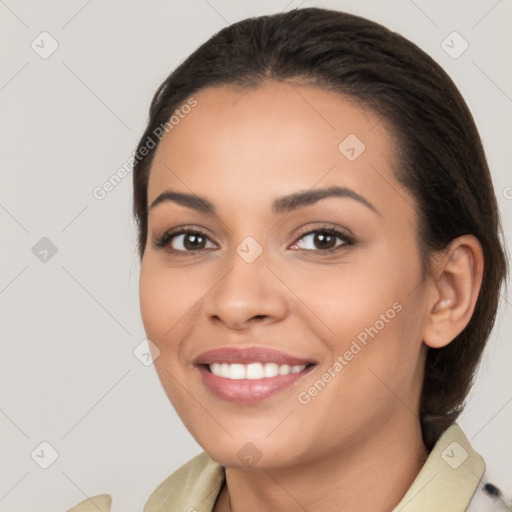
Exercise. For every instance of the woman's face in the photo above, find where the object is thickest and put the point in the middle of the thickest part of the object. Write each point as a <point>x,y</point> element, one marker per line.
<point>301,245</point>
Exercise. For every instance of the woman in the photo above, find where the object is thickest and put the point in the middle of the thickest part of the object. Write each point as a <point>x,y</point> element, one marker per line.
<point>320,270</point>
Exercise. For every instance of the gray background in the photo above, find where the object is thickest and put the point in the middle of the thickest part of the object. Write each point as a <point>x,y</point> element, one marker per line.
<point>70,323</point>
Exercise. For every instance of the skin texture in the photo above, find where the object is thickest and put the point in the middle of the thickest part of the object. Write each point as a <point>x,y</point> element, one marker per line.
<point>241,149</point>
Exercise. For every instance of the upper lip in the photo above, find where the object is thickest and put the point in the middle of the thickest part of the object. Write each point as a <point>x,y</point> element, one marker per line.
<point>246,355</point>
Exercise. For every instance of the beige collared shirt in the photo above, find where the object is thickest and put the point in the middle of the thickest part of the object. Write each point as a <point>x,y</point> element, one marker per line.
<point>446,483</point>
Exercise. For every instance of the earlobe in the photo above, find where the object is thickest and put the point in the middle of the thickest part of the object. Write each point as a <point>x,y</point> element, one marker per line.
<point>455,281</point>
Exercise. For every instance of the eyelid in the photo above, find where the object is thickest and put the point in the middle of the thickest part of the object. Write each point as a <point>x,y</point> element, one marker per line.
<point>325,226</point>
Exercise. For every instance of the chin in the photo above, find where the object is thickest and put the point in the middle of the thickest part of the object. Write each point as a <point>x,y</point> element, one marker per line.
<point>247,451</point>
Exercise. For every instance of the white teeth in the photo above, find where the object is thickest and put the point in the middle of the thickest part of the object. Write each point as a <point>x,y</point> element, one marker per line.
<point>254,371</point>
<point>239,371</point>
<point>271,369</point>
<point>284,369</point>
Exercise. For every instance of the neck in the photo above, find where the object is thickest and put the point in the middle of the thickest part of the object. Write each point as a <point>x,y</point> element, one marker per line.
<point>373,473</point>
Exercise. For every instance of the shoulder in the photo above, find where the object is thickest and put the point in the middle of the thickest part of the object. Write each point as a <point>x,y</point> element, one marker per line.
<point>194,486</point>
<point>484,493</point>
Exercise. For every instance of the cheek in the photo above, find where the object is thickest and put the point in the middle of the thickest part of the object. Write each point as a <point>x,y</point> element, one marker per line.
<point>165,297</point>
<point>153,301</point>
<point>351,297</point>
<point>165,303</point>
<point>374,301</point>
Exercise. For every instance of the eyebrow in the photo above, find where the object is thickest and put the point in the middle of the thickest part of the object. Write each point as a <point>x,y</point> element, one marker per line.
<point>281,205</point>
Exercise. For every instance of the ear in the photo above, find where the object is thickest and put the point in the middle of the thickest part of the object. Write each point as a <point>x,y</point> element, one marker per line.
<point>455,281</point>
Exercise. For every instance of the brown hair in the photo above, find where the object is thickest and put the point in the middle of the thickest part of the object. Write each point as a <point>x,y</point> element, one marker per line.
<point>441,158</point>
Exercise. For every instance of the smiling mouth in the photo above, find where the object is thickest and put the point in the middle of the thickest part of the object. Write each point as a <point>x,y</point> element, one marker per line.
<point>253,371</point>
<point>251,383</point>
<point>250,374</point>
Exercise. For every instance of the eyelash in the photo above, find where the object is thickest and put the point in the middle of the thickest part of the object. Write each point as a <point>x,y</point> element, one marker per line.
<point>164,240</point>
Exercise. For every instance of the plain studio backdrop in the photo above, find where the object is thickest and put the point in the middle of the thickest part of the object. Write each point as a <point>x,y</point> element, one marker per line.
<point>76,77</point>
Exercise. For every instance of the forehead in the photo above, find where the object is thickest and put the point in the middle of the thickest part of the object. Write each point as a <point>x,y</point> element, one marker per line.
<point>272,140</point>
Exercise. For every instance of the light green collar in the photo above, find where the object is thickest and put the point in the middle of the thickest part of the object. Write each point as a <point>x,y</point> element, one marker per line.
<point>449,477</point>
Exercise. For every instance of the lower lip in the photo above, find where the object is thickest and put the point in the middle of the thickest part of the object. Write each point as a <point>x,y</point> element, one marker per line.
<point>249,391</point>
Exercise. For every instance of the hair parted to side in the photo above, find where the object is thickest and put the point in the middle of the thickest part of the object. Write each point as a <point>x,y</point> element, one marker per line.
<point>440,159</point>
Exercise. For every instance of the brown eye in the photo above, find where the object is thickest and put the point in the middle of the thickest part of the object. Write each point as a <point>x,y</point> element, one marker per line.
<point>323,240</point>
<point>185,241</point>
<point>191,241</point>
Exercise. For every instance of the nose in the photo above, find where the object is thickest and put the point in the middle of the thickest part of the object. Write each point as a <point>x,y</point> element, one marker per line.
<point>247,294</point>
